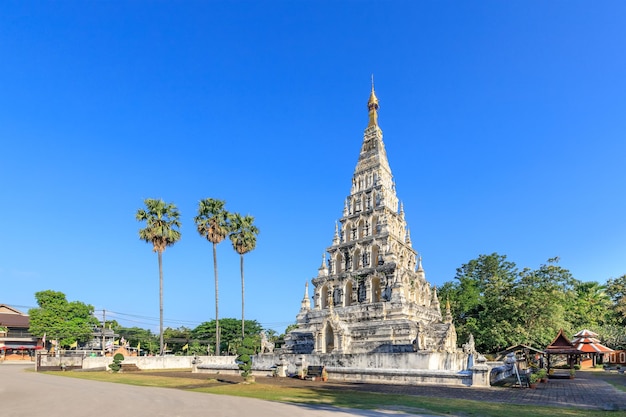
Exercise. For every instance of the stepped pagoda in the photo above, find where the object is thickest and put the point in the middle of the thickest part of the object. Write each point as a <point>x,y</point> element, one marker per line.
<point>371,294</point>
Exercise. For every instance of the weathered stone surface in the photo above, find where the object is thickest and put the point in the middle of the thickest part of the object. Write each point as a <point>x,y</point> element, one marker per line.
<point>371,294</point>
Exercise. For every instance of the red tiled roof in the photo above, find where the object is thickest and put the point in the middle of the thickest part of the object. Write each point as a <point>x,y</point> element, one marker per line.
<point>585,341</point>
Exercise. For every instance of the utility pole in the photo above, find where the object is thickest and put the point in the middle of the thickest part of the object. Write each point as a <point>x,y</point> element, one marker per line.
<point>103,326</point>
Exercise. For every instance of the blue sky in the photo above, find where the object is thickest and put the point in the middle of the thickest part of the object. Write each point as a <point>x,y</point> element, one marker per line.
<point>504,124</point>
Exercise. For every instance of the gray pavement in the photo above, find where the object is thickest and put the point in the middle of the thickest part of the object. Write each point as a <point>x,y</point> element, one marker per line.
<point>585,391</point>
<point>30,394</point>
<point>26,394</point>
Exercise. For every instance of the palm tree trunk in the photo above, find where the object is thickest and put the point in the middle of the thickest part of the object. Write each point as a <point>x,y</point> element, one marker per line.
<point>160,255</point>
<point>217,321</point>
<point>242,297</point>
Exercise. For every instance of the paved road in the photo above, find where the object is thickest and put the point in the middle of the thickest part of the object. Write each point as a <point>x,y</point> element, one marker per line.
<point>29,394</point>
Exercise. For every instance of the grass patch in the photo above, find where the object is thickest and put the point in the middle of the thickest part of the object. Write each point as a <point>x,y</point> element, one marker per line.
<point>320,395</point>
<point>135,379</point>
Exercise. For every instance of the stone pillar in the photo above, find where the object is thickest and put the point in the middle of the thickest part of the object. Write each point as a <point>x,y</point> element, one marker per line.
<point>480,372</point>
<point>281,367</point>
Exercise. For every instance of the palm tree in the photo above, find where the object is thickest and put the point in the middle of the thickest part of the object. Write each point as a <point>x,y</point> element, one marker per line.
<point>162,223</point>
<point>213,223</point>
<point>243,238</point>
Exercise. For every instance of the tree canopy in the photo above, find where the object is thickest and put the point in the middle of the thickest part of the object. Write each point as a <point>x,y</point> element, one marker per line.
<point>230,330</point>
<point>58,319</point>
<point>503,306</point>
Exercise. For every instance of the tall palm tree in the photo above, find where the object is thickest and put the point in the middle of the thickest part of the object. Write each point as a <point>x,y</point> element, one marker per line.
<point>162,224</point>
<point>213,223</point>
<point>243,238</point>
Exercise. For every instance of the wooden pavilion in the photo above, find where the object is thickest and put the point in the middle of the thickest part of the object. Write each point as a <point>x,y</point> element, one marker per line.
<point>561,346</point>
<point>593,352</point>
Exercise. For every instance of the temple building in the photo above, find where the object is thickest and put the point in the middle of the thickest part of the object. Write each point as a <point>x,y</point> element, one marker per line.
<point>371,294</point>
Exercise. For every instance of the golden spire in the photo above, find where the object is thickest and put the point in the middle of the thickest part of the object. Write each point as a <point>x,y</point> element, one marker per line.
<point>372,105</point>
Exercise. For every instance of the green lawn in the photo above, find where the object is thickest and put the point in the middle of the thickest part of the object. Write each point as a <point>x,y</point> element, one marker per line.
<point>318,394</point>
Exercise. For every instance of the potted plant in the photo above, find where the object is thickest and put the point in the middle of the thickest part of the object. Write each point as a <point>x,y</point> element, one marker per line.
<point>324,375</point>
<point>572,373</point>
<point>533,378</point>
<point>543,375</point>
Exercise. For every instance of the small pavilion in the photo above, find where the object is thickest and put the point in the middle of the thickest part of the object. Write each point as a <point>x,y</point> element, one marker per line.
<point>561,346</point>
<point>593,352</point>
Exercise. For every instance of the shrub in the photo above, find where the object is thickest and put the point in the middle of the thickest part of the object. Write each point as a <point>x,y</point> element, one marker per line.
<point>117,362</point>
<point>244,359</point>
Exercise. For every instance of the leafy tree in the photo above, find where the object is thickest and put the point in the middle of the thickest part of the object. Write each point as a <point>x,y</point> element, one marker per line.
<point>542,299</point>
<point>502,306</point>
<point>213,223</point>
<point>243,238</point>
<point>195,348</point>
<point>482,300</point>
<point>138,336</point>
<point>230,329</point>
<point>177,338</point>
<point>67,322</point>
<point>592,305</point>
<point>613,336</point>
<point>616,290</point>
<point>162,224</point>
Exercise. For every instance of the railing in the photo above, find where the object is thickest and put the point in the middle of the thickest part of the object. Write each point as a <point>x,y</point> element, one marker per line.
<point>18,334</point>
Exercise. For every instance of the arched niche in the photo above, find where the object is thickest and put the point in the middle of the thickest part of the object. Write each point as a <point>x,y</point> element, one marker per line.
<point>360,229</point>
<point>339,264</point>
<point>374,257</point>
<point>347,294</point>
<point>329,339</point>
<point>324,296</point>
<point>348,231</point>
<point>356,259</point>
<point>376,290</point>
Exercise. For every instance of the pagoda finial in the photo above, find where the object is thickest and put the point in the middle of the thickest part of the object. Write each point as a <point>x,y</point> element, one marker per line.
<point>306,301</point>
<point>448,312</point>
<point>419,264</point>
<point>434,303</point>
<point>372,105</point>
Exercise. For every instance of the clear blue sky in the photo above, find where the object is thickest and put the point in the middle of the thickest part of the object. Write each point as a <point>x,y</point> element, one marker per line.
<point>504,123</point>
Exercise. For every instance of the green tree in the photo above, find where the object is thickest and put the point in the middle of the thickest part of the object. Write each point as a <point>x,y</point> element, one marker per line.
<point>243,238</point>
<point>543,298</point>
<point>230,330</point>
<point>162,224</point>
<point>616,290</point>
<point>67,322</point>
<point>177,338</point>
<point>481,301</point>
<point>213,223</point>
<point>592,306</point>
<point>138,336</point>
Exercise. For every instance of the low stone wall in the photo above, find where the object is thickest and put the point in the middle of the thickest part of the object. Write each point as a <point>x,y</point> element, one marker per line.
<point>142,362</point>
<point>436,368</point>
